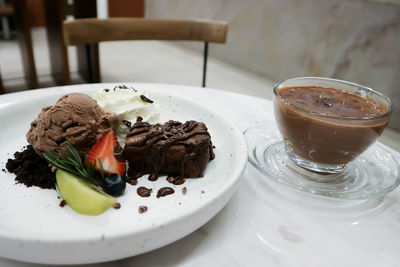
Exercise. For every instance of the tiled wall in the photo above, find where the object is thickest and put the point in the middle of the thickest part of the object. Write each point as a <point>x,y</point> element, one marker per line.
<point>354,40</point>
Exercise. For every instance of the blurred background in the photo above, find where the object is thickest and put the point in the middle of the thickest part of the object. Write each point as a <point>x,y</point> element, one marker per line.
<point>267,41</point>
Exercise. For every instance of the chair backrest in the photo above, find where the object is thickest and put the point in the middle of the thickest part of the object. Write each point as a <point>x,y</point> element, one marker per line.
<point>92,30</point>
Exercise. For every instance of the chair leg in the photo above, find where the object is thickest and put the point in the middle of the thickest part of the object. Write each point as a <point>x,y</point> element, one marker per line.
<point>88,56</point>
<point>205,63</point>
<point>59,63</point>
<point>23,26</point>
<point>89,65</point>
<point>1,86</point>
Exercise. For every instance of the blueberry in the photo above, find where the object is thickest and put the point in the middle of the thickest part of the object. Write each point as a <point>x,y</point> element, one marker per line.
<point>114,185</point>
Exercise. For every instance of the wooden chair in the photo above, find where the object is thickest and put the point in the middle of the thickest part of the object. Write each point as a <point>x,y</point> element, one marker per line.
<point>92,31</point>
<point>1,85</point>
<point>5,11</point>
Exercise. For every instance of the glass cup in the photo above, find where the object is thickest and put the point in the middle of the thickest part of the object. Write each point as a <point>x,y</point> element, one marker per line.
<point>322,143</point>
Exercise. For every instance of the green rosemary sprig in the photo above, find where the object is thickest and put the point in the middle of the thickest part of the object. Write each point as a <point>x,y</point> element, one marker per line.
<point>72,163</point>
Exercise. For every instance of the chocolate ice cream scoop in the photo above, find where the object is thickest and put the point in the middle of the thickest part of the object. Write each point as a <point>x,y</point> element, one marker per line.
<point>75,118</point>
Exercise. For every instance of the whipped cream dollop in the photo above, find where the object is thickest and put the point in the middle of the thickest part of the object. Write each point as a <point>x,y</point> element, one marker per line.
<point>127,103</point>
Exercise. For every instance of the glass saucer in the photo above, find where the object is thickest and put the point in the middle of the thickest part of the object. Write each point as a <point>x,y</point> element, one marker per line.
<point>374,173</point>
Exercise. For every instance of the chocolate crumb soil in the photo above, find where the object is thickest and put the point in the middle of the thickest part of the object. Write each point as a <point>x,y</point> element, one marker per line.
<point>31,170</point>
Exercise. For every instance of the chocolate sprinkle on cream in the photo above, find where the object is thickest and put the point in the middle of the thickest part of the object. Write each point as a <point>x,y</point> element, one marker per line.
<point>165,191</point>
<point>117,205</point>
<point>184,190</point>
<point>145,99</point>
<point>127,123</point>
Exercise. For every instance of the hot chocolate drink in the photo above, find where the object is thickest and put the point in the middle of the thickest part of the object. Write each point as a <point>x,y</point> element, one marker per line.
<point>328,126</point>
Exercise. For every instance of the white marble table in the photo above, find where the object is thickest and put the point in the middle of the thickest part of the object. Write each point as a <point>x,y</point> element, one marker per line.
<point>268,224</point>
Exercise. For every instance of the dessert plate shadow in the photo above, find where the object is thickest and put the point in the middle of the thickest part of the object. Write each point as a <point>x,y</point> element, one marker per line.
<point>34,228</point>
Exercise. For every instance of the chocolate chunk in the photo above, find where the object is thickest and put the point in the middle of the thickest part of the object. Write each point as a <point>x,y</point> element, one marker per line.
<point>142,209</point>
<point>175,180</point>
<point>62,203</point>
<point>172,148</point>
<point>165,191</point>
<point>179,181</point>
<point>106,90</point>
<point>117,205</point>
<point>153,177</point>
<point>143,191</point>
<point>171,179</point>
<point>133,182</point>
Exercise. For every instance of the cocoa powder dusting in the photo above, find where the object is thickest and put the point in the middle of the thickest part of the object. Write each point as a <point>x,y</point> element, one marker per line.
<point>31,169</point>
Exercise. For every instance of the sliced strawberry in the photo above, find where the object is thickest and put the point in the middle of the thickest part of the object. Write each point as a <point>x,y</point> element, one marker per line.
<point>104,149</point>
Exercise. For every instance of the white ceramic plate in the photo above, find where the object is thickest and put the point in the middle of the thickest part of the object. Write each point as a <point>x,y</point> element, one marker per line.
<point>34,228</point>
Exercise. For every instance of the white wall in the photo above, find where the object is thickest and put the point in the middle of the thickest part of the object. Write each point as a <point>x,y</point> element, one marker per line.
<point>352,40</point>
<point>102,9</point>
